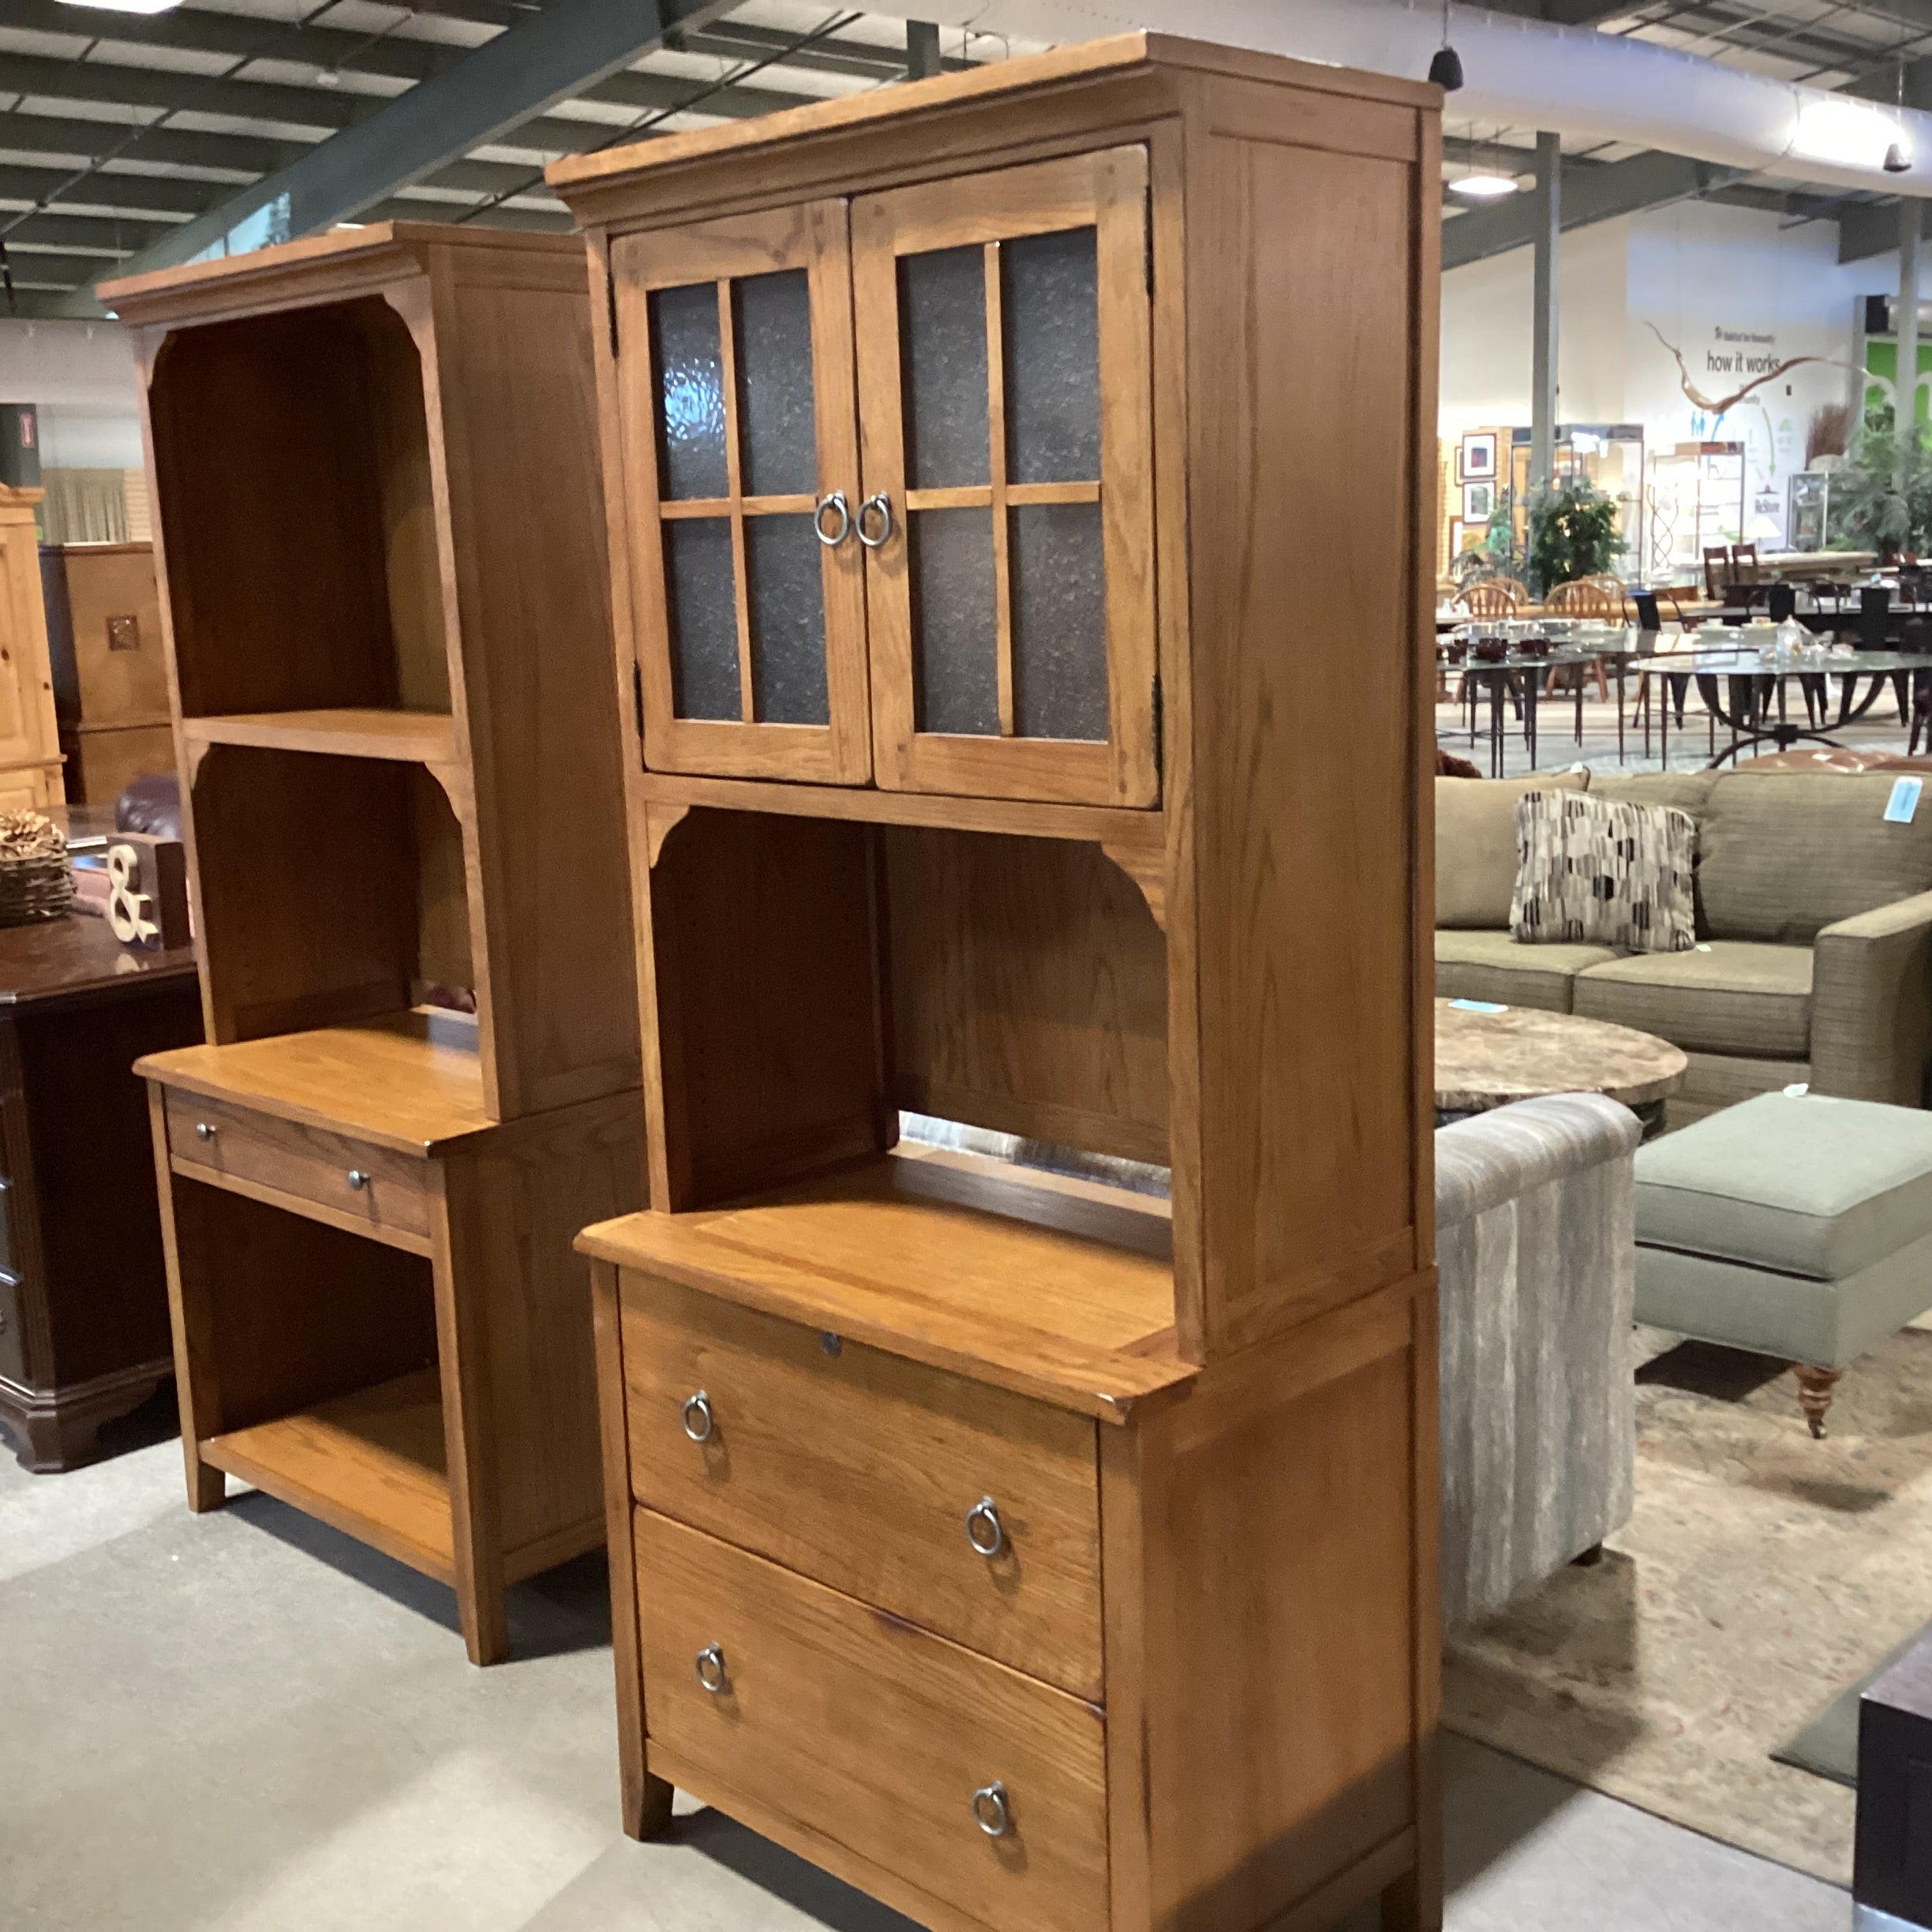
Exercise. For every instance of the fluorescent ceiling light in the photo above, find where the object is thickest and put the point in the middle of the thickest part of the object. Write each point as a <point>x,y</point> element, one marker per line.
<point>1483,187</point>
<point>1845,133</point>
<point>127,6</point>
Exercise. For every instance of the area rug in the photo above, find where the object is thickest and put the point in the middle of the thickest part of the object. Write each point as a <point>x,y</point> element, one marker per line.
<point>1827,1746</point>
<point>1760,1573</point>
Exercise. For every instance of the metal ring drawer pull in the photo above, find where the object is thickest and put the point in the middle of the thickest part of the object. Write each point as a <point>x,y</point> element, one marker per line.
<point>357,1179</point>
<point>699,1421</point>
<point>984,1530</point>
<point>836,501</point>
<point>204,1130</point>
<point>711,1672</point>
<point>991,1813</point>
<point>882,503</point>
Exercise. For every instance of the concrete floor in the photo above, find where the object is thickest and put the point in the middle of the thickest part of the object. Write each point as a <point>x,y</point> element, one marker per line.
<point>246,1723</point>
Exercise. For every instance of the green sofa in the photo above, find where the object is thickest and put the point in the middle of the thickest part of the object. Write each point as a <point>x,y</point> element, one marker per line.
<point>1814,925</point>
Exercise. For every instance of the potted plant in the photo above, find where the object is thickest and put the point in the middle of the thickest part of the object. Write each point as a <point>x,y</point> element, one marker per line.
<point>1573,534</point>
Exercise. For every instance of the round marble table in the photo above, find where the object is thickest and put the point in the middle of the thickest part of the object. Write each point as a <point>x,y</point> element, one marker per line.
<point>1485,1059</point>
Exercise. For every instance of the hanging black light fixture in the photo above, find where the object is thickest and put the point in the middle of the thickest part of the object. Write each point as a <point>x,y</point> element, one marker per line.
<point>1446,69</point>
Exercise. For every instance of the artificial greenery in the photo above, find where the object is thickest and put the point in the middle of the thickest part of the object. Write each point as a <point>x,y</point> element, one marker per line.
<point>1573,534</point>
<point>1881,497</point>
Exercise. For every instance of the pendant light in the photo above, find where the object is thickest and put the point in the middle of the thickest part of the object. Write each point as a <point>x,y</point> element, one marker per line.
<point>1446,69</point>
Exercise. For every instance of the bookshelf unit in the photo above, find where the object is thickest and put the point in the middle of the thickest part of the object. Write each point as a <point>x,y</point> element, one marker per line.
<point>380,546</point>
<point>1036,1554</point>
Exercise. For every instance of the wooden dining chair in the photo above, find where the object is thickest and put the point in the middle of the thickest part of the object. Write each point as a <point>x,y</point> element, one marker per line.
<point>1491,599</point>
<point>1589,598</point>
<point>1745,568</point>
<point>1716,571</point>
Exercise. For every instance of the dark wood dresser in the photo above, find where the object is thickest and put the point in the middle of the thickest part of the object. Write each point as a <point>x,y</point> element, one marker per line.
<point>84,1316</point>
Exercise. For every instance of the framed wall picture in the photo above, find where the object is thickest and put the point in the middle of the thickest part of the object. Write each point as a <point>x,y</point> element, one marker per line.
<point>1478,460</point>
<point>1478,502</point>
<point>1464,535</point>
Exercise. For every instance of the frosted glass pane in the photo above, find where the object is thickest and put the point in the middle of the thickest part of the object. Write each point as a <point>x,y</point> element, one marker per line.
<point>690,390</point>
<point>942,324</point>
<point>773,342</point>
<point>704,619</point>
<point>955,640</point>
<point>788,621</point>
<point>1051,305</point>
<point>1059,618</point>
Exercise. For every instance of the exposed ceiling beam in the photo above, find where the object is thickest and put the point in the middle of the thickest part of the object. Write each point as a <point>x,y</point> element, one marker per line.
<point>866,60</point>
<point>153,87</point>
<point>159,194</point>
<point>69,136</point>
<point>88,235</point>
<point>502,84</point>
<point>1645,181</point>
<point>51,270</point>
<point>541,221</point>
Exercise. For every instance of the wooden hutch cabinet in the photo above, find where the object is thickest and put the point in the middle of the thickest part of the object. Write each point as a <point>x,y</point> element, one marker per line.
<point>1038,1554</point>
<point>30,753</point>
<point>381,547</point>
<point>103,612</point>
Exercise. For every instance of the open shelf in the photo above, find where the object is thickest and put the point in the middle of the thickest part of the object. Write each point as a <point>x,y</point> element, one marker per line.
<point>1060,1289</point>
<point>412,1081</point>
<point>406,737</point>
<point>369,1464</point>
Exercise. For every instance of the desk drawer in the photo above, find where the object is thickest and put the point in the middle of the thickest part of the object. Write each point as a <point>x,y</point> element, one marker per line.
<point>212,1139</point>
<point>875,1734</point>
<point>859,1468</point>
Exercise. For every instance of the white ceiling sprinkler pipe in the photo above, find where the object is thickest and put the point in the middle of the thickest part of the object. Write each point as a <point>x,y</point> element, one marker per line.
<point>1523,74</point>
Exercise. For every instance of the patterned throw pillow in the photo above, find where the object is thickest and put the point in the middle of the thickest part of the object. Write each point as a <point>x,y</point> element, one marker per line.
<point>1593,871</point>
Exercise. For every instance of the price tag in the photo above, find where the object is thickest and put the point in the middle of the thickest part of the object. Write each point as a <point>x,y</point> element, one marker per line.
<point>1478,1006</point>
<point>1902,807</point>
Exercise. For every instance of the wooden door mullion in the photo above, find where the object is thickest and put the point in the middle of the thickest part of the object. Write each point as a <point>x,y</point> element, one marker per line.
<point>734,483</point>
<point>996,476</point>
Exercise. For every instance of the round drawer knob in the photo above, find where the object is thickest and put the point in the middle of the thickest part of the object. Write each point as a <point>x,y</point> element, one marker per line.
<point>357,1179</point>
<point>700,1425</point>
<point>991,1813</point>
<point>984,1530</point>
<point>710,1667</point>
<point>204,1130</point>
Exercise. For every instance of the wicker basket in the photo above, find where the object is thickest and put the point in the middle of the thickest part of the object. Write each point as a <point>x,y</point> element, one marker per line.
<point>36,881</point>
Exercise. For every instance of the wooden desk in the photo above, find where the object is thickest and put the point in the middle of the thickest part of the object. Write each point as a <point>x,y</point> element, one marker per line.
<point>83,1312</point>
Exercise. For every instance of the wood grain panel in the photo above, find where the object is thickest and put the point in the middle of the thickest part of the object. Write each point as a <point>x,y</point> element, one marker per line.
<point>1299,259</point>
<point>1029,991</point>
<point>1280,1512</point>
<point>857,1469</point>
<point>516,414</point>
<point>875,1733</point>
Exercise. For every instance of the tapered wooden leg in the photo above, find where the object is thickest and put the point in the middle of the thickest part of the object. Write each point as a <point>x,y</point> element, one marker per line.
<point>1412,1903</point>
<point>646,1807</point>
<point>486,1624</point>
<point>1815,1388</point>
<point>195,1380</point>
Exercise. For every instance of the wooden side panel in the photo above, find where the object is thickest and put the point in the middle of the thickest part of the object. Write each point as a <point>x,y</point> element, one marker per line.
<point>523,1294</point>
<point>29,734</point>
<point>516,418</point>
<point>102,764</point>
<point>107,1297</point>
<point>253,470</point>
<point>1029,991</point>
<point>1264,1543</point>
<point>1305,838</point>
<point>768,1005</point>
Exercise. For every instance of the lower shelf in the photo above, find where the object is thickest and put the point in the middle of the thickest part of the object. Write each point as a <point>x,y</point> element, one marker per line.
<point>370,1465</point>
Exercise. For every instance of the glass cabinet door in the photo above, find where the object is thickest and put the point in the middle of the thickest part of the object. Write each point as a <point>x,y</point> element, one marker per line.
<point>741,469</point>
<point>1001,324</point>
